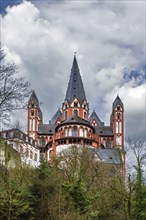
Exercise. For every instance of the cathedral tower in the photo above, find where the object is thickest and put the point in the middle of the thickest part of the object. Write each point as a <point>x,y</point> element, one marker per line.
<point>34,116</point>
<point>117,121</point>
<point>75,101</point>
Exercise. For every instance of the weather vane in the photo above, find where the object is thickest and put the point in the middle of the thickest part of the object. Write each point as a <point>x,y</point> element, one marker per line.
<point>75,53</point>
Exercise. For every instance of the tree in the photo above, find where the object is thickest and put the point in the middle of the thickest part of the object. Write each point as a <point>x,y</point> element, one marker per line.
<point>92,190</point>
<point>15,182</point>
<point>137,186</point>
<point>14,90</point>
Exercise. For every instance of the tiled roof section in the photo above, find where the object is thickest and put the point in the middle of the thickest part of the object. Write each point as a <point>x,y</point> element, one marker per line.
<point>104,130</point>
<point>57,115</point>
<point>97,119</point>
<point>117,101</point>
<point>111,156</point>
<point>33,98</point>
<point>76,119</point>
<point>75,86</point>
<point>46,129</point>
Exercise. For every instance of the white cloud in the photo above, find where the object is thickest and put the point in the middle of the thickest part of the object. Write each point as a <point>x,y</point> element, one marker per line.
<point>108,38</point>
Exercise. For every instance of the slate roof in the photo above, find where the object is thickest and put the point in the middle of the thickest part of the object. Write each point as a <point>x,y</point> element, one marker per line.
<point>111,156</point>
<point>104,130</point>
<point>76,119</point>
<point>34,98</point>
<point>97,119</point>
<point>46,129</point>
<point>117,101</point>
<point>75,85</point>
<point>57,115</point>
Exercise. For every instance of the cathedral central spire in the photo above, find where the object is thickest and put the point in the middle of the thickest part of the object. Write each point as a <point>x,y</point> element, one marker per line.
<point>75,86</point>
<point>75,103</point>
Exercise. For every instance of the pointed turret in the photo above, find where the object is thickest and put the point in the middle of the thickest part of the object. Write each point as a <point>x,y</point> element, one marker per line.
<point>33,98</point>
<point>95,120</point>
<point>117,102</point>
<point>56,118</point>
<point>75,102</point>
<point>34,116</point>
<point>117,122</point>
<point>75,87</point>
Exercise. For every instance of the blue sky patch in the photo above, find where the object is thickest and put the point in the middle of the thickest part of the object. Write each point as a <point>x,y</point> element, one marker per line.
<point>5,3</point>
<point>137,76</point>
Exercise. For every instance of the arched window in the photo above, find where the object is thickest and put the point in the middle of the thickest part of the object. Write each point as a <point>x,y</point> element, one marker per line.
<point>84,115</point>
<point>81,132</point>
<point>85,133</point>
<point>70,132</point>
<point>74,132</point>
<point>66,132</point>
<point>76,112</point>
<point>75,104</point>
<point>118,116</point>
<point>108,144</point>
<point>31,126</point>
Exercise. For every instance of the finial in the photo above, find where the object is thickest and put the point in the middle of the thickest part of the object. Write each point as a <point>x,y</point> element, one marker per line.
<point>75,53</point>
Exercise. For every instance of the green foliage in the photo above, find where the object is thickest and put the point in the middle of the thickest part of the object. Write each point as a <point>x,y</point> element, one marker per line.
<point>9,155</point>
<point>139,203</point>
<point>15,196</point>
<point>77,194</point>
<point>75,187</point>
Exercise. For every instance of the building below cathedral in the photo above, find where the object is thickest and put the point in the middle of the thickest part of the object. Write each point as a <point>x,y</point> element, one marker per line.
<point>74,125</point>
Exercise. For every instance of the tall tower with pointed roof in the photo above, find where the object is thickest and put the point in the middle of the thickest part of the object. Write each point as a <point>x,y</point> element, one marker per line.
<point>75,102</point>
<point>117,122</point>
<point>34,116</point>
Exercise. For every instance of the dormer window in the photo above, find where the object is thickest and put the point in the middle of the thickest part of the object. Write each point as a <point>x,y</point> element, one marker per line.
<point>76,112</point>
<point>32,105</point>
<point>118,108</point>
<point>84,115</point>
<point>84,106</point>
<point>75,104</point>
<point>65,105</point>
<point>118,116</point>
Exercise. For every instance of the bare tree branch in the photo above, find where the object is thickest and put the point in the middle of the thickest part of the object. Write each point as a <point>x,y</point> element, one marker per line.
<point>14,90</point>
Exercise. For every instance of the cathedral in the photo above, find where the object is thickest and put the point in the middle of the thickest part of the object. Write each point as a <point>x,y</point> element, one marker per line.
<point>74,125</point>
<point>70,125</point>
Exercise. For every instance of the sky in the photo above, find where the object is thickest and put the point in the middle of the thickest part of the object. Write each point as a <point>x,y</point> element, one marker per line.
<point>109,38</point>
